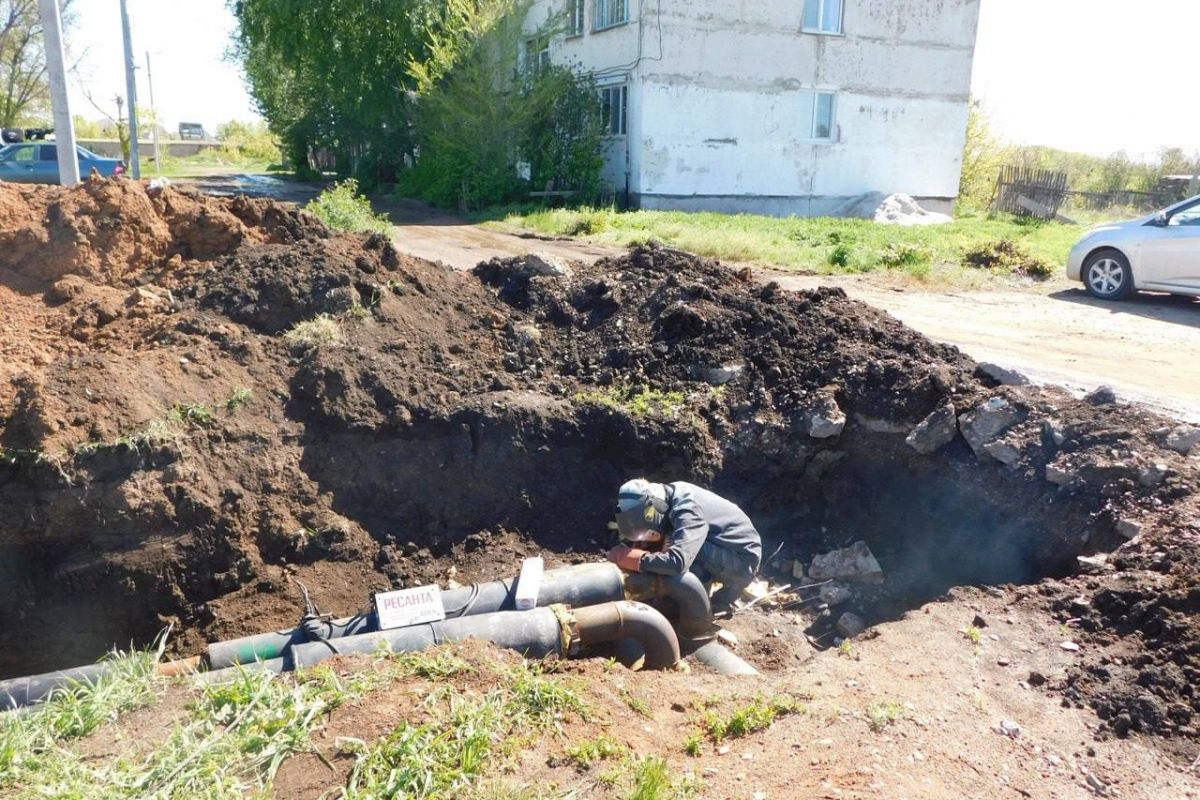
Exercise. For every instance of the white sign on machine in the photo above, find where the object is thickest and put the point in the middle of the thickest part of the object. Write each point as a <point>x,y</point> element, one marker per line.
<point>405,607</point>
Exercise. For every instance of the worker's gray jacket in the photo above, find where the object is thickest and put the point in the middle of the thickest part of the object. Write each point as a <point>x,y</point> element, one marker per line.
<point>698,515</point>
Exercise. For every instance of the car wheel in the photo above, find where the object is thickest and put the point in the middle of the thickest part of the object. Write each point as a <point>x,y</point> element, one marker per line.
<point>1107,275</point>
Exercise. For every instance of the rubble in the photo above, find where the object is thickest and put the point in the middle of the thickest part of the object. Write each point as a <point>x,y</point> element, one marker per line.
<point>935,431</point>
<point>1001,375</point>
<point>835,594</point>
<point>1004,452</point>
<point>850,625</point>
<point>1101,395</point>
<point>987,421</point>
<point>547,265</point>
<point>855,563</point>
<point>1183,439</point>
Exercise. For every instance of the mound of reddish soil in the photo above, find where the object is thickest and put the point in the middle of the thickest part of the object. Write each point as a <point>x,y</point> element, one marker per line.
<point>202,399</point>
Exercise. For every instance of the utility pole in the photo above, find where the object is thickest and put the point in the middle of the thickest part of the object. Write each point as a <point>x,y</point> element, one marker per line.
<point>131,93</point>
<point>64,126</point>
<point>154,114</point>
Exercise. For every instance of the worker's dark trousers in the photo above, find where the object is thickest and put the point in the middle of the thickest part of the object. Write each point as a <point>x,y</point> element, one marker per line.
<point>734,569</point>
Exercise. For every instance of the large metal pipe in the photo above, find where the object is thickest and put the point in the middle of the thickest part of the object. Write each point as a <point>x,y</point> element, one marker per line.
<point>722,659</point>
<point>26,691</point>
<point>686,591</point>
<point>613,622</point>
<point>536,633</point>
<point>575,586</point>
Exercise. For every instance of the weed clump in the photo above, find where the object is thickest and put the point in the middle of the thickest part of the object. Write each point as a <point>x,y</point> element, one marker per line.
<point>756,716</point>
<point>1008,256</point>
<point>884,713</point>
<point>342,208</point>
<point>313,333</point>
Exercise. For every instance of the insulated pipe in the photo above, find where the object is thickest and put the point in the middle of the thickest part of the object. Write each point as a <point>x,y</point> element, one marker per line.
<point>536,633</point>
<point>720,658</point>
<point>686,591</point>
<point>26,691</point>
<point>579,585</point>
<point>613,622</point>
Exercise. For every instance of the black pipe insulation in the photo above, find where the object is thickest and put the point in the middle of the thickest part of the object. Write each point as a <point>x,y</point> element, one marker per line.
<point>575,586</point>
<point>686,591</point>
<point>18,692</point>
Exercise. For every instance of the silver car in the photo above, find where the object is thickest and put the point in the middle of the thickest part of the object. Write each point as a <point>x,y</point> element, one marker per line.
<point>1159,253</point>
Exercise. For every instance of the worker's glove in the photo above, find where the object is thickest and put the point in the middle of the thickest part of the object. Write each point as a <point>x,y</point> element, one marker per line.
<point>626,557</point>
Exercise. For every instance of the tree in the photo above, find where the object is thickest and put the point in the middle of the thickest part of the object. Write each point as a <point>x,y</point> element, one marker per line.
<point>24,85</point>
<point>983,155</point>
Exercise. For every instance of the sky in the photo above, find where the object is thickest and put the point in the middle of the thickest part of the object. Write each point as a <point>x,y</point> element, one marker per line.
<point>1092,76</point>
<point>186,41</point>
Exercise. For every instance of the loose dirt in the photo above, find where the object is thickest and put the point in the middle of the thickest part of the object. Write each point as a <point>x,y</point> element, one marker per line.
<point>206,399</point>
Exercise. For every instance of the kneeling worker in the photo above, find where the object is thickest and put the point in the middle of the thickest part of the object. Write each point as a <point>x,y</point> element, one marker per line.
<point>678,527</point>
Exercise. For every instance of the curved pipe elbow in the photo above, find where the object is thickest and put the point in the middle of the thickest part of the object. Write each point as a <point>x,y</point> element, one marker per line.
<point>624,619</point>
<point>686,591</point>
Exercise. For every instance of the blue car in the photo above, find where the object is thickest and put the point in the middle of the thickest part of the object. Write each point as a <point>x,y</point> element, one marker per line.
<point>37,162</point>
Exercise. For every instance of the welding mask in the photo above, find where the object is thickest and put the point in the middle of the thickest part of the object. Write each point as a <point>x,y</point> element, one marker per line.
<point>641,513</point>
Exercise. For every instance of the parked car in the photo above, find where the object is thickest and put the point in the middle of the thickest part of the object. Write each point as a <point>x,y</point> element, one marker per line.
<point>1158,253</point>
<point>38,163</point>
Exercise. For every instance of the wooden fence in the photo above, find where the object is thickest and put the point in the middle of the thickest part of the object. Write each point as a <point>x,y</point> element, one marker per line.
<point>1030,192</point>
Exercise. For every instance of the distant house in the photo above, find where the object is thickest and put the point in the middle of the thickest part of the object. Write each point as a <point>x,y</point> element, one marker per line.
<point>772,106</point>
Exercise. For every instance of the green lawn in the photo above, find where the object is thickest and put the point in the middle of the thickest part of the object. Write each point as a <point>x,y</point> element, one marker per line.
<point>822,245</point>
<point>206,162</point>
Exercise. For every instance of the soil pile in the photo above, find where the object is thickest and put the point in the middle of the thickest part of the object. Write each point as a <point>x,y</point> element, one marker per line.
<point>204,399</point>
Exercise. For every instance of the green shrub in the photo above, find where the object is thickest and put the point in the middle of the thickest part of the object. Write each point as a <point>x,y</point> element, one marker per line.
<point>839,256</point>
<point>904,254</point>
<point>1007,255</point>
<point>342,208</point>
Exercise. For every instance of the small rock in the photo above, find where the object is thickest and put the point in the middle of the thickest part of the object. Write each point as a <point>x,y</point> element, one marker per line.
<point>547,265</point>
<point>1037,679</point>
<point>1007,454</point>
<point>723,750</point>
<point>1053,431</point>
<point>728,638</point>
<point>1005,377</point>
<point>834,594</point>
<point>825,419</point>
<point>1096,785</point>
<point>855,562</point>
<point>979,621</point>
<point>1101,396</point>
<point>1008,728</point>
<point>987,421</point>
<point>1183,439</point>
<point>1070,647</point>
<point>1059,475</point>
<point>1080,606</point>
<point>935,431</point>
<point>1152,475</point>
<point>527,333</point>
<point>717,376</point>
<point>850,625</point>
<point>798,569</point>
<point>1128,528</point>
<point>1093,565</point>
<point>1003,662</point>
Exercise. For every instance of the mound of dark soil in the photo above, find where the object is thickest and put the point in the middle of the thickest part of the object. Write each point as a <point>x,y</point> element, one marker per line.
<point>202,400</point>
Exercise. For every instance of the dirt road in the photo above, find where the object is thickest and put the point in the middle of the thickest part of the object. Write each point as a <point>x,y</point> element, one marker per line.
<point>1147,348</point>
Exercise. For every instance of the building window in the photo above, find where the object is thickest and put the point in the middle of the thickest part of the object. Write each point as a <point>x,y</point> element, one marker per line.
<point>611,12</point>
<point>537,54</point>
<point>823,16</point>
<point>575,17</point>
<point>817,116</point>
<point>614,104</point>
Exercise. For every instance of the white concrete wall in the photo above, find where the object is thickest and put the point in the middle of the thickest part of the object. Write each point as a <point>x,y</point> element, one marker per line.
<point>716,98</point>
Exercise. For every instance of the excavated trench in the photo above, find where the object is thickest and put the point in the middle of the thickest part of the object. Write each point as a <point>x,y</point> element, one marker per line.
<point>222,397</point>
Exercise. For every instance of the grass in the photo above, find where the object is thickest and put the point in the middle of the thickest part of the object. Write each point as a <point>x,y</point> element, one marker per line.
<point>207,162</point>
<point>756,716</point>
<point>602,748</point>
<point>973,634</point>
<point>637,705</point>
<point>822,245</point>
<point>320,331</point>
<point>238,398</point>
<point>652,780</point>
<point>884,713</point>
<point>462,738</point>
<point>638,401</point>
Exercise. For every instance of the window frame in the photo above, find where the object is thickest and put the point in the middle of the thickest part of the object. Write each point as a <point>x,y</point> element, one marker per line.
<point>576,18</point>
<point>820,30</point>
<point>817,94</point>
<point>537,54</point>
<point>622,90</point>
<point>597,27</point>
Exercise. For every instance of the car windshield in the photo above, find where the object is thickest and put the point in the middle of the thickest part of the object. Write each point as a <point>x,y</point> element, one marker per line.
<point>83,151</point>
